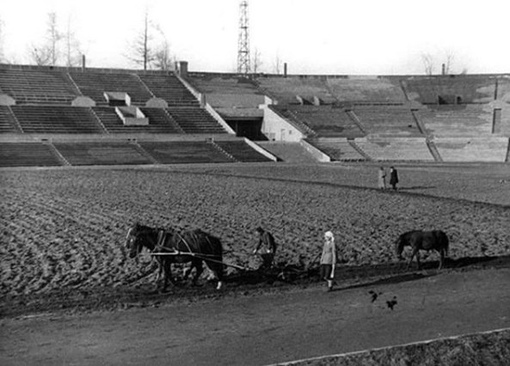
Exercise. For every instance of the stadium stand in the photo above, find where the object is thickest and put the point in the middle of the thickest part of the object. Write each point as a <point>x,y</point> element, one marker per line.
<point>24,154</point>
<point>450,89</point>
<point>289,152</point>
<point>195,120</point>
<point>185,152</point>
<point>241,151</point>
<point>414,118</point>
<point>366,90</point>
<point>8,123</point>
<point>223,84</point>
<point>395,148</point>
<point>56,119</point>
<point>100,153</point>
<point>457,120</point>
<point>322,121</point>
<point>37,85</point>
<point>94,84</point>
<point>387,120</point>
<point>338,149</point>
<point>286,89</point>
<point>472,149</point>
<point>168,87</point>
<point>503,88</point>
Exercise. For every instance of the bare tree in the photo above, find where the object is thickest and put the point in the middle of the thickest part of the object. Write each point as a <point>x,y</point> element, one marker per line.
<point>142,54</point>
<point>72,46</point>
<point>48,53</point>
<point>163,58</point>
<point>256,61</point>
<point>428,63</point>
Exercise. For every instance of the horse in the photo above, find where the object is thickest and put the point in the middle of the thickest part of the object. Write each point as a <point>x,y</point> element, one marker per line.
<point>195,246</point>
<point>423,240</point>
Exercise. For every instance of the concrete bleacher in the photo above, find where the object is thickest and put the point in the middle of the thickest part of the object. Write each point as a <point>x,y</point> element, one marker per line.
<point>469,88</point>
<point>56,119</point>
<point>7,121</point>
<point>101,153</point>
<point>94,84</point>
<point>387,120</point>
<point>223,84</point>
<point>366,90</point>
<point>395,148</point>
<point>457,120</point>
<point>232,96</point>
<point>37,85</point>
<point>289,152</point>
<point>338,149</point>
<point>185,152</point>
<point>24,154</point>
<point>241,151</point>
<point>324,121</point>
<point>472,149</point>
<point>285,89</point>
<point>159,121</point>
<point>168,87</point>
<point>193,120</point>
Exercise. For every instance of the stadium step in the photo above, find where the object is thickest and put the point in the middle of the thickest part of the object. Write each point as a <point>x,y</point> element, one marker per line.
<point>356,120</point>
<point>360,150</point>
<point>433,150</point>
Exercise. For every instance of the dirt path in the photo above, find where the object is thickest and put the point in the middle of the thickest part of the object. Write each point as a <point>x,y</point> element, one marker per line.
<point>264,329</point>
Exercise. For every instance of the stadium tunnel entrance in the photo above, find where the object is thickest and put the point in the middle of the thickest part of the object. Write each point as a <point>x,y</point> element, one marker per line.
<point>249,127</point>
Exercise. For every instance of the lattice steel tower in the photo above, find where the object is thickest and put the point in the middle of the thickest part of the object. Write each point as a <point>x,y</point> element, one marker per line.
<point>243,44</point>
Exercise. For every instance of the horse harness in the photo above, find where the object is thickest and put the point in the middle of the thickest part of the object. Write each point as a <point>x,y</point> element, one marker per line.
<point>161,240</point>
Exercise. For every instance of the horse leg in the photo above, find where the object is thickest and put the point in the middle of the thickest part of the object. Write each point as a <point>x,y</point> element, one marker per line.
<point>198,265</point>
<point>415,252</point>
<point>216,273</point>
<point>167,272</point>
<point>441,258</point>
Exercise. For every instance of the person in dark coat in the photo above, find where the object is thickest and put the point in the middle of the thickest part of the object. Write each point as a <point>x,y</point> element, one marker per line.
<point>267,247</point>
<point>393,178</point>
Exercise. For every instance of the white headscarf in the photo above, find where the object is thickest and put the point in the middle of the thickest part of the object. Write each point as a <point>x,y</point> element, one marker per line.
<point>329,235</point>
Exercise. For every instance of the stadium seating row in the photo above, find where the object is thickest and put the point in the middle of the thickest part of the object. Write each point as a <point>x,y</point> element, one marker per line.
<point>30,85</point>
<point>43,119</point>
<point>390,120</point>
<point>448,89</point>
<point>453,149</point>
<point>78,153</point>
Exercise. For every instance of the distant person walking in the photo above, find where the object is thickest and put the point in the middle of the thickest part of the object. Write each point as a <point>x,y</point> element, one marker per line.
<point>267,247</point>
<point>328,259</point>
<point>381,182</point>
<point>393,178</point>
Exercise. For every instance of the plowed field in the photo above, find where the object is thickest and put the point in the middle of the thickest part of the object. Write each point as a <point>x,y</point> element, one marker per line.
<point>62,230</point>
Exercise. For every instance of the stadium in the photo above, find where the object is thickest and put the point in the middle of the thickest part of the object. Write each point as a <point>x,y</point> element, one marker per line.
<point>76,117</point>
<point>89,153</point>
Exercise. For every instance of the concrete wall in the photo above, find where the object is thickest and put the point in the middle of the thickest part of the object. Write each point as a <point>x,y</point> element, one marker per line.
<point>278,129</point>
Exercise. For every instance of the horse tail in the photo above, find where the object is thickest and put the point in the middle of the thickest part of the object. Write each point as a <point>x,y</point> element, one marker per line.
<point>442,241</point>
<point>399,245</point>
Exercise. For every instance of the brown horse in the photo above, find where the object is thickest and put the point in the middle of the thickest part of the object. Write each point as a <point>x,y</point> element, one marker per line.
<point>193,246</point>
<point>423,240</point>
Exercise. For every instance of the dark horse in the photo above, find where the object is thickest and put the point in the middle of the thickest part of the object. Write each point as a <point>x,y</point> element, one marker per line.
<point>423,240</point>
<point>193,246</point>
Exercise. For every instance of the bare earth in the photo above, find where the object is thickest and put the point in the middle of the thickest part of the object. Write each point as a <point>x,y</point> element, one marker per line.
<point>69,294</point>
<point>257,329</point>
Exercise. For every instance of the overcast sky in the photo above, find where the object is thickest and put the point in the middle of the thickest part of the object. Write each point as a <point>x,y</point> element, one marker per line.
<point>356,37</point>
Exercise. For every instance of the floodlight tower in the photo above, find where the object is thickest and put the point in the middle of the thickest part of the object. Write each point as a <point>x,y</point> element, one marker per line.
<point>243,44</point>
